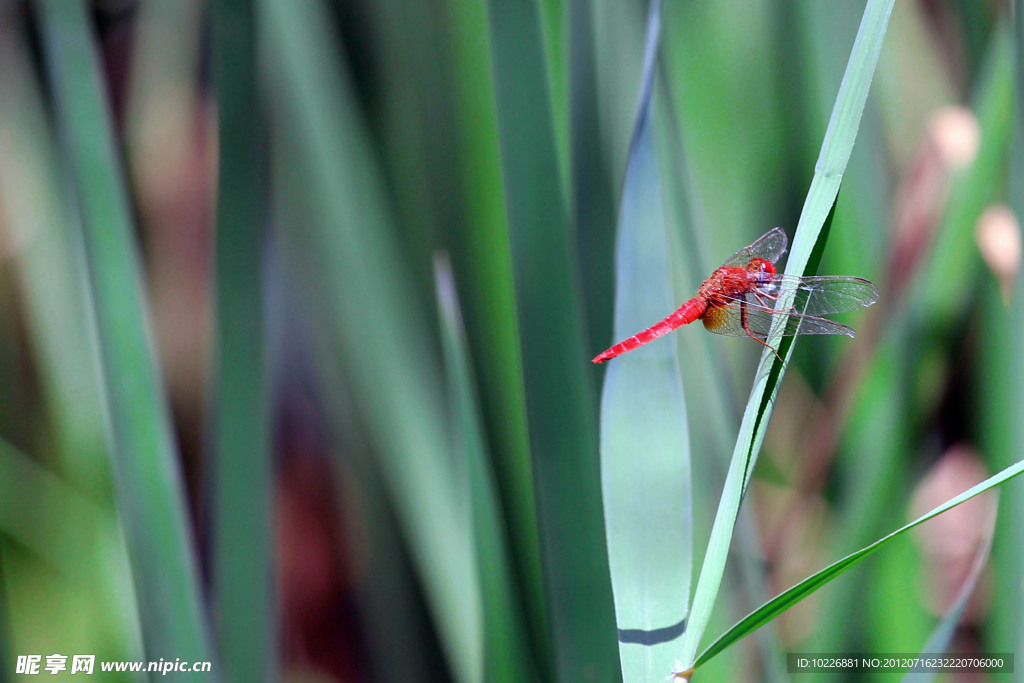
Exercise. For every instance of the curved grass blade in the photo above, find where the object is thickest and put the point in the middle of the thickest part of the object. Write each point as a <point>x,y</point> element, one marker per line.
<point>243,471</point>
<point>559,391</point>
<point>150,490</point>
<point>645,458</point>
<point>835,153</point>
<point>787,599</point>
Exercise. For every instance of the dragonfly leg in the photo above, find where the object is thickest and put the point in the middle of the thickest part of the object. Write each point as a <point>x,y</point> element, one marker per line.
<point>746,328</point>
<point>758,295</point>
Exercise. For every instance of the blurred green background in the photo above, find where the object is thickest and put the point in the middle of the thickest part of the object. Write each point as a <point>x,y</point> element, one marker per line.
<point>298,301</point>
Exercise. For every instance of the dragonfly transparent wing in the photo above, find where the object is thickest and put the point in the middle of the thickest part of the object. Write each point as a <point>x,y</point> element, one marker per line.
<point>769,246</point>
<point>817,295</point>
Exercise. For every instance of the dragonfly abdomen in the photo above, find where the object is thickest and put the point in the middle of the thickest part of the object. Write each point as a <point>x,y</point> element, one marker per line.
<point>683,315</point>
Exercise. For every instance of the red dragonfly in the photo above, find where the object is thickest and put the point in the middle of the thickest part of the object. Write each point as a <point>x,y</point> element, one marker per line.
<point>739,300</point>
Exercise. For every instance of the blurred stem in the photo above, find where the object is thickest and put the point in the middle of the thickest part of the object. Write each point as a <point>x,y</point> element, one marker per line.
<point>243,499</point>
<point>151,495</point>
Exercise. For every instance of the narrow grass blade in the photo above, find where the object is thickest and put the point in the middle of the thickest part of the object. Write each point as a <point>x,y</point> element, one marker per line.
<point>367,305</point>
<point>1017,310</point>
<point>943,633</point>
<point>835,153</point>
<point>593,206</point>
<point>553,17</point>
<point>1009,619</point>
<point>559,393</point>
<point>148,480</point>
<point>790,597</point>
<point>242,468</point>
<point>480,253</point>
<point>645,458</point>
<point>505,651</point>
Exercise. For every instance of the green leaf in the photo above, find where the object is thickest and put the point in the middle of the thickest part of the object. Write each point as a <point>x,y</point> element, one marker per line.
<point>243,568</point>
<point>150,490</point>
<point>645,451</point>
<point>832,160</point>
<point>480,254</point>
<point>593,204</point>
<point>787,599</point>
<point>559,391</point>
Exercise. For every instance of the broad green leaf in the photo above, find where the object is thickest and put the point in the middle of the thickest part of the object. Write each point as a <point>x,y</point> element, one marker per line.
<point>645,459</point>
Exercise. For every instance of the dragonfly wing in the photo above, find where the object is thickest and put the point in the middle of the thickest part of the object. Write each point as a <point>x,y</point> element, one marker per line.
<point>823,294</point>
<point>744,317</point>
<point>769,246</point>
